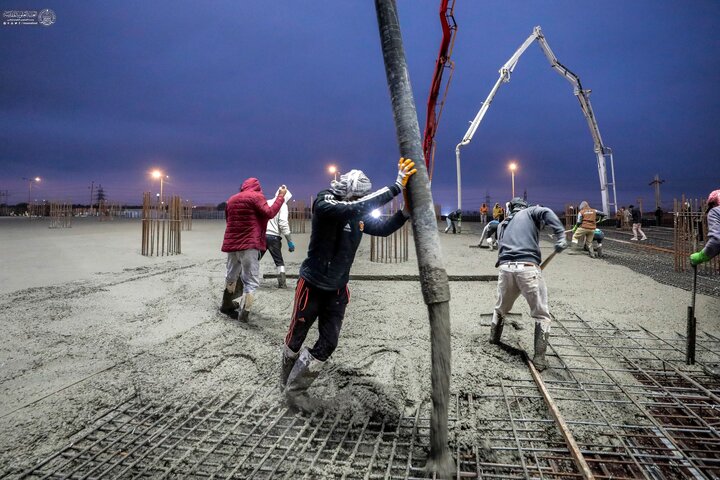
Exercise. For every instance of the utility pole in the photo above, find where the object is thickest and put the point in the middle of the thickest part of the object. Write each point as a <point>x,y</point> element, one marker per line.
<point>433,277</point>
<point>656,182</point>
<point>92,192</point>
<point>487,197</point>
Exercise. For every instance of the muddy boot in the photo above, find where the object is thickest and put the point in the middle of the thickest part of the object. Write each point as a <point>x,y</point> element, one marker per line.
<point>281,280</point>
<point>304,372</point>
<point>286,365</point>
<point>592,251</point>
<point>541,343</point>
<point>496,328</point>
<point>228,307</point>
<point>598,250</point>
<point>244,306</point>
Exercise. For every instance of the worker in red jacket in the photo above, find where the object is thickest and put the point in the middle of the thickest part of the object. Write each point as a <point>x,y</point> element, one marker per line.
<point>246,215</point>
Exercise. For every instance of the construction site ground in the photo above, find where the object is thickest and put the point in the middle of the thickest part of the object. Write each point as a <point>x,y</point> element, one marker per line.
<point>116,365</point>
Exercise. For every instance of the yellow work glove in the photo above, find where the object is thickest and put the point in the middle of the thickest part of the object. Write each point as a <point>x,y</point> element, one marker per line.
<point>405,171</point>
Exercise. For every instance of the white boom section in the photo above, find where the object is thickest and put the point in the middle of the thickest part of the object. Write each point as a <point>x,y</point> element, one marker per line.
<point>601,151</point>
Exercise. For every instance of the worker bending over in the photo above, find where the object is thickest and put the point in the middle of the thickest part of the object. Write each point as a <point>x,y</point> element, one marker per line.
<point>520,274</point>
<point>341,214</point>
<point>489,235</point>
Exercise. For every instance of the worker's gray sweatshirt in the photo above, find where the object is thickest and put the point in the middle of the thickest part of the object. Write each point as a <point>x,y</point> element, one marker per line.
<point>519,235</point>
<point>712,246</point>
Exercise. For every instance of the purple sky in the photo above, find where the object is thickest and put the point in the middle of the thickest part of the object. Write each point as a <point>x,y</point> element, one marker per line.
<point>215,92</point>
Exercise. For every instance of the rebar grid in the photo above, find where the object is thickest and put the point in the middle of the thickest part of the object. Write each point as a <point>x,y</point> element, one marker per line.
<point>255,436</point>
<point>639,376</point>
<point>634,408</point>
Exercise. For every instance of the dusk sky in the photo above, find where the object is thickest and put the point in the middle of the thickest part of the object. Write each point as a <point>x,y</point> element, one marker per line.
<point>215,92</point>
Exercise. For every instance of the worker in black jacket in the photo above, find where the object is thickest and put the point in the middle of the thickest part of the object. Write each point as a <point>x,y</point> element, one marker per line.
<point>341,214</point>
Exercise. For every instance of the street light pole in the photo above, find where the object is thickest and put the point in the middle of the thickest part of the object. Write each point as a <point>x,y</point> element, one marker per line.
<point>513,167</point>
<point>30,185</point>
<point>158,174</point>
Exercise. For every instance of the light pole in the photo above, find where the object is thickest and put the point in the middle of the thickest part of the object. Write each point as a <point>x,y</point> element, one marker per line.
<point>332,169</point>
<point>159,174</point>
<point>513,167</point>
<point>30,185</point>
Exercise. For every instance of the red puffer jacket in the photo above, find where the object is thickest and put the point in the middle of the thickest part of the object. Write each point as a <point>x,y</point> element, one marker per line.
<point>246,217</point>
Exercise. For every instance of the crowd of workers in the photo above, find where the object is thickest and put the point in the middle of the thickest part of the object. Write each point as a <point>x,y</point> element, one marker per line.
<point>341,214</point>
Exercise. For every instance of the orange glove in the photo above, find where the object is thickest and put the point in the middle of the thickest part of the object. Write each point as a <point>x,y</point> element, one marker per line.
<point>405,171</point>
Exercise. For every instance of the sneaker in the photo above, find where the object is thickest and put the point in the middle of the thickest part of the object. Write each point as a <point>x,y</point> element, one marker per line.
<point>634,239</point>
<point>644,238</point>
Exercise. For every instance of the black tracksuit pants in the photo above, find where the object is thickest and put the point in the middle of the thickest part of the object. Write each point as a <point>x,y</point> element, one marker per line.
<point>328,307</point>
<point>274,246</point>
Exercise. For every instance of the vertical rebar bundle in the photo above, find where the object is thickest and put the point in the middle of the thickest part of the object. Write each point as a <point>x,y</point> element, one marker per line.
<point>298,214</point>
<point>187,215</point>
<point>394,247</point>
<point>60,215</point>
<point>107,211</point>
<point>570,216</point>
<point>36,210</point>
<point>161,226</point>
<point>689,234</point>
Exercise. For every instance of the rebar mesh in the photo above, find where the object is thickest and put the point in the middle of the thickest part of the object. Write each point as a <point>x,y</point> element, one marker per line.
<point>634,408</point>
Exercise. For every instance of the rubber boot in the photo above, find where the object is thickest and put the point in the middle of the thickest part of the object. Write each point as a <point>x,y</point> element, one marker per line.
<point>228,307</point>
<point>496,328</point>
<point>598,250</point>
<point>245,305</point>
<point>281,280</point>
<point>303,374</point>
<point>287,363</point>
<point>591,250</point>
<point>541,343</point>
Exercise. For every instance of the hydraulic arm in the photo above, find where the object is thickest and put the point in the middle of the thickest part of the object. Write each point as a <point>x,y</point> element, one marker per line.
<point>602,152</point>
<point>443,62</point>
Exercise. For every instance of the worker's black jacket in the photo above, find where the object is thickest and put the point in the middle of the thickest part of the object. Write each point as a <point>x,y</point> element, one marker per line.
<point>337,228</point>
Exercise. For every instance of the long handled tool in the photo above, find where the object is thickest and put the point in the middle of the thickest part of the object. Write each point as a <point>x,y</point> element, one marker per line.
<point>547,260</point>
<point>690,334</point>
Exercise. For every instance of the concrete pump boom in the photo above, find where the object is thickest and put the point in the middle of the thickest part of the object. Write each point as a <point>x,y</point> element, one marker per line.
<point>601,151</point>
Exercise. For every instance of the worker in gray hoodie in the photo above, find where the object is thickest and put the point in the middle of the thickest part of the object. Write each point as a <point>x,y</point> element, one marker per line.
<point>279,227</point>
<point>520,274</point>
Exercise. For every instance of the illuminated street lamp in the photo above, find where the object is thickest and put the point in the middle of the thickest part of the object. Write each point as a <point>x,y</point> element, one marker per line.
<point>159,174</point>
<point>31,181</point>
<point>513,167</point>
<point>332,170</point>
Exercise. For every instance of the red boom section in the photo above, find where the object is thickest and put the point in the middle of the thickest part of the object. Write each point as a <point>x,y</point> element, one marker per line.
<point>434,111</point>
